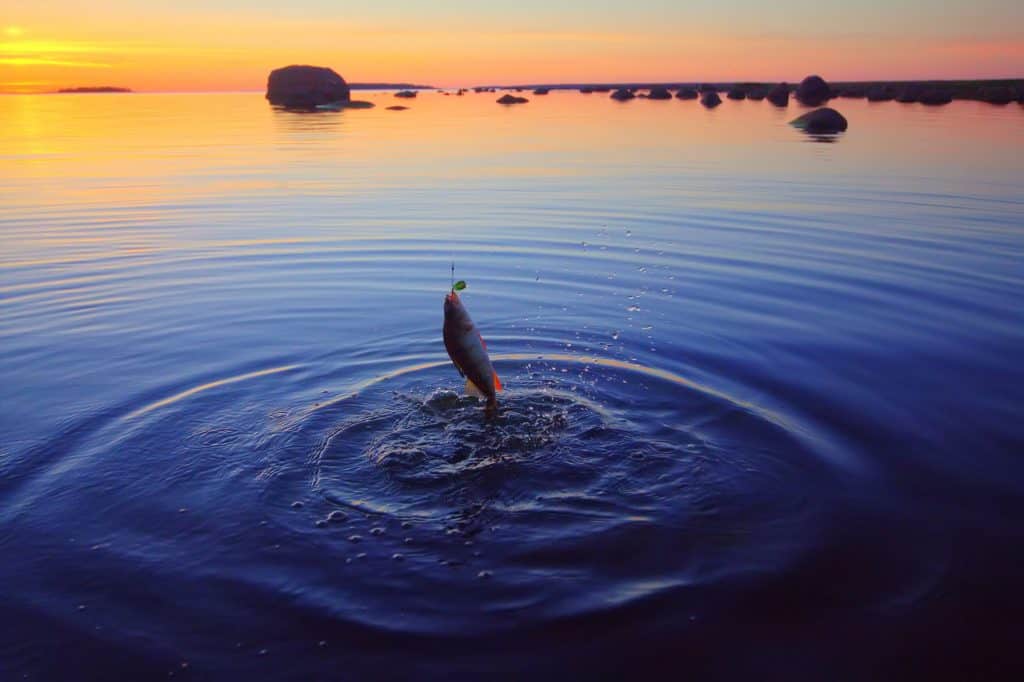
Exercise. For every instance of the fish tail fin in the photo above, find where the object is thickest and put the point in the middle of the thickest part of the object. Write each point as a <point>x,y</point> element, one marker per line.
<point>497,381</point>
<point>472,390</point>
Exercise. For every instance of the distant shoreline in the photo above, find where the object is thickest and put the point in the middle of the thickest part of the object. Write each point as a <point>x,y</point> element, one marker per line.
<point>92,89</point>
<point>646,85</point>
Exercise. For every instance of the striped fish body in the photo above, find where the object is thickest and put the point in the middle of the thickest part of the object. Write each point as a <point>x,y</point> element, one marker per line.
<point>468,351</point>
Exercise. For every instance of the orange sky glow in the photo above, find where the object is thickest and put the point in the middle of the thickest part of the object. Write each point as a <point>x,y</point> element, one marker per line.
<point>233,47</point>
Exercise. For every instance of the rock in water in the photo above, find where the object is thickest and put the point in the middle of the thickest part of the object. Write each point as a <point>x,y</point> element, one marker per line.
<point>813,91</point>
<point>305,87</point>
<point>736,92</point>
<point>511,99</point>
<point>710,99</point>
<point>659,93</point>
<point>779,95</point>
<point>408,94</point>
<point>821,121</point>
<point>542,91</point>
<point>622,95</point>
<point>397,107</point>
<point>686,93</point>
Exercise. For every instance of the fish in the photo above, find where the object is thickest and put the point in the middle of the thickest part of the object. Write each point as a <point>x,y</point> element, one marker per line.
<point>468,351</point>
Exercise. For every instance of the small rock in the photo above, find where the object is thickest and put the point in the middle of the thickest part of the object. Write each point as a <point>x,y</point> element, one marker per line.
<point>397,557</point>
<point>659,93</point>
<point>321,523</point>
<point>337,516</point>
<point>397,107</point>
<point>686,93</point>
<point>484,575</point>
<point>709,100</point>
<point>541,91</point>
<point>408,94</point>
<point>813,91</point>
<point>821,121</point>
<point>296,505</point>
<point>622,95</point>
<point>512,99</point>
<point>779,95</point>
<point>377,531</point>
<point>355,538</point>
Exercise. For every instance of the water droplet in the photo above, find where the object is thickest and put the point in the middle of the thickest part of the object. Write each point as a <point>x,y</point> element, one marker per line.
<point>337,516</point>
<point>615,335</point>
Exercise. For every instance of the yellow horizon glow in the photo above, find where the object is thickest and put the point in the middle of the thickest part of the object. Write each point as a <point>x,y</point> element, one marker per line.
<point>228,52</point>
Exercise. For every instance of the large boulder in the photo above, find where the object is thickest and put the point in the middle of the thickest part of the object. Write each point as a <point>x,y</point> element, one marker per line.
<point>659,93</point>
<point>710,99</point>
<point>622,95</point>
<point>821,121</point>
<point>686,93</point>
<point>813,91</point>
<point>306,87</point>
<point>779,95</point>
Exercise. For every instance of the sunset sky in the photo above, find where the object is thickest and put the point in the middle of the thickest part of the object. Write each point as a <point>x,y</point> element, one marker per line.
<point>233,44</point>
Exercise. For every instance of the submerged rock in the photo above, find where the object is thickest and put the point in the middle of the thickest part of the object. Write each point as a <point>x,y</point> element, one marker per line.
<point>622,95</point>
<point>306,87</point>
<point>813,91</point>
<point>406,93</point>
<point>779,95</point>
<point>710,99</point>
<point>659,93</point>
<point>821,121</point>
<point>511,99</point>
<point>686,93</point>
<point>542,91</point>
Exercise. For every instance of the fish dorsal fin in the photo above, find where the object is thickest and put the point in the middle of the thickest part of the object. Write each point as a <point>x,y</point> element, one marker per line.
<point>497,381</point>
<point>472,390</point>
<point>482,340</point>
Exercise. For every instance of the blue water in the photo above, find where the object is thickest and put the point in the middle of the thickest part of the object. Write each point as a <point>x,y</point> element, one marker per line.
<point>763,418</point>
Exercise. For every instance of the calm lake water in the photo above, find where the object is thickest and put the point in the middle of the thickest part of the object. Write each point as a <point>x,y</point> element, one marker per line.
<point>763,418</point>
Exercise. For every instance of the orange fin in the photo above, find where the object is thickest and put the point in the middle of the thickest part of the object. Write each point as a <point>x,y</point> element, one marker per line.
<point>471,389</point>
<point>497,381</point>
